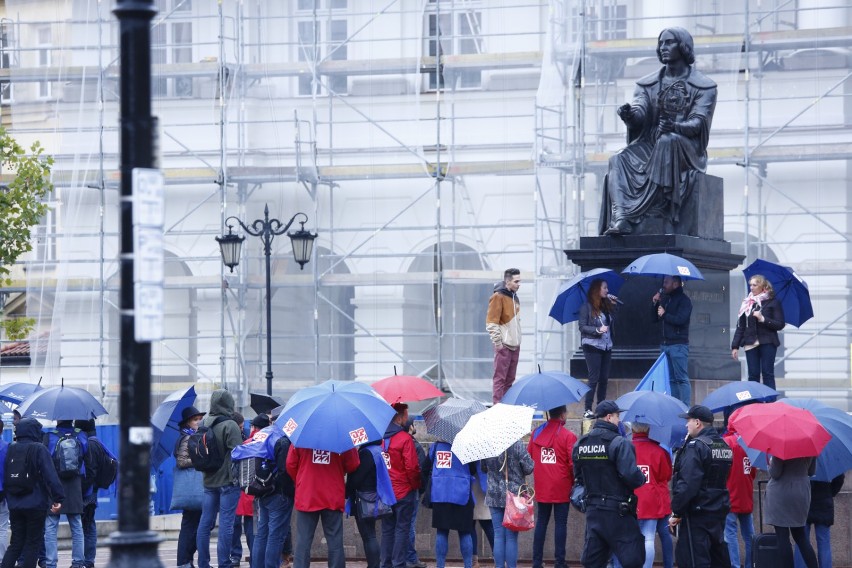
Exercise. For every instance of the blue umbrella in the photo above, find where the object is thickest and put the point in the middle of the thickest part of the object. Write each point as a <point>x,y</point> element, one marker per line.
<point>572,294</point>
<point>545,390</point>
<point>663,264</point>
<point>165,421</point>
<point>658,378</point>
<point>791,291</point>
<point>16,393</point>
<point>836,456</point>
<point>262,444</point>
<point>62,403</point>
<point>335,416</point>
<point>738,392</point>
<point>660,411</point>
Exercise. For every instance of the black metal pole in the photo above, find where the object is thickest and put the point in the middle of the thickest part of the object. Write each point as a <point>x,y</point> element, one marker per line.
<point>267,249</point>
<point>134,544</point>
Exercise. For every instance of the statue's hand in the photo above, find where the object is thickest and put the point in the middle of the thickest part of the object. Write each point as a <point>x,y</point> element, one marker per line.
<point>666,125</point>
<point>625,112</point>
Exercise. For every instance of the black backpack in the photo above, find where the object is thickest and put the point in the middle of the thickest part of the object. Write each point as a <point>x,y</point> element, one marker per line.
<point>282,448</point>
<point>255,476</point>
<point>67,454</point>
<point>101,465</point>
<point>19,477</point>
<point>204,449</point>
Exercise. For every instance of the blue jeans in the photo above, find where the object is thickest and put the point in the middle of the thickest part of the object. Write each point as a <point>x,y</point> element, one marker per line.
<point>332,528</point>
<point>442,546</point>
<point>411,557</point>
<point>273,525</point>
<point>505,541</point>
<point>678,356</point>
<point>221,502</point>
<point>372,551</point>
<point>50,548</point>
<point>560,532</point>
<point>242,524</point>
<point>823,541</point>
<point>650,528</point>
<point>760,360</point>
<point>396,530</point>
<point>4,526</point>
<point>747,529</point>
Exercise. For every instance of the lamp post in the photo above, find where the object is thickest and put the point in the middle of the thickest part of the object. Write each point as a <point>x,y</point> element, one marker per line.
<point>267,229</point>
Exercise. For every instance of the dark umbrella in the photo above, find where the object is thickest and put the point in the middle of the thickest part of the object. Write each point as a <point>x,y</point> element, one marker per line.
<point>663,264</point>
<point>738,392</point>
<point>790,290</point>
<point>17,392</point>
<point>572,294</point>
<point>545,390</point>
<point>448,418</point>
<point>165,421</point>
<point>62,403</point>
<point>263,403</point>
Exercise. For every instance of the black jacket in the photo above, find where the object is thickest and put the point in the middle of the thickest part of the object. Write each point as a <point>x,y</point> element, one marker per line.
<point>605,463</point>
<point>699,480</point>
<point>675,321</point>
<point>822,500</point>
<point>363,478</point>
<point>750,330</point>
<point>48,489</point>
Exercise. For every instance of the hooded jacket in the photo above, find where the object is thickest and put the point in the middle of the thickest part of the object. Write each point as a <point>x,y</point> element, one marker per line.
<point>48,488</point>
<point>404,462</point>
<point>502,321</point>
<point>654,499</point>
<point>319,477</point>
<point>740,478</point>
<point>550,447</point>
<point>227,435</point>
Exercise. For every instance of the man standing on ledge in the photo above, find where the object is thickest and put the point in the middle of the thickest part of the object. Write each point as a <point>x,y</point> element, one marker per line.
<point>673,308</point>
<point>503,324</point>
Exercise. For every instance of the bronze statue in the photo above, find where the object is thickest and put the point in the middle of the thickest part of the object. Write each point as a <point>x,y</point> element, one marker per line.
<point>668,126</point>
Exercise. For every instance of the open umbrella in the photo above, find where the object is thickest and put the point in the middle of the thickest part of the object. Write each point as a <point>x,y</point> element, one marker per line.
<point>836,457</point>
<point>658,378</point>
<point>545,390</point>
<point>335,416</point>
<point>663,264</point>
<point>790,290</point>
<point>405,388</point>
<point>165,421</point>
<point>16,393</point>
<point>659,411</point>
<point>62,403</point>
<point>490,433</point>
<point>263,403</point>
<point>738,392</point>
<point>572,294</point>
<point>447,419</point>
<point>780,430</point>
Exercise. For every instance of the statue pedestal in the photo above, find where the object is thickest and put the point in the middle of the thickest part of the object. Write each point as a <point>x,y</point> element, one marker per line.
<point>636,334</point>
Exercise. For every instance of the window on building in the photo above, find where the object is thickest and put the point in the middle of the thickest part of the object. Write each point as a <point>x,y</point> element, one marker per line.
<point>6,88</point>
<point>171,42</point>
<point>456,32</point>
<point>604,22</point>
<point>44,53</point>
<point>323,38</point>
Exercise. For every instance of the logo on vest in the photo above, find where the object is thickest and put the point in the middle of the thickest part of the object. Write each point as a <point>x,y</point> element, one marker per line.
<point>322,457</point>
<point>290,427</point>
<point>746,466</point>
<point>358,436</point>
<point>444,460</point>
<point>722,454</point>
<point>592,449</point>
<point>548,455</point>
<point>646,471</point>
<point>386,457</point>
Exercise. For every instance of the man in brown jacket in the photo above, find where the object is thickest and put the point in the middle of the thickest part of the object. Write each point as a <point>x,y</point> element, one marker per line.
<point>503,324</point>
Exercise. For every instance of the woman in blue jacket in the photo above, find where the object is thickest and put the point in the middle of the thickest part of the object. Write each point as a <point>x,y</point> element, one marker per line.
<point>452,502</point>
<point>28,511</point>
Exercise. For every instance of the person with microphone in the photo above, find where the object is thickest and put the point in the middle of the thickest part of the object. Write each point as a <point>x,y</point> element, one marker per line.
<point>673,308</point>
<point>595,323</point>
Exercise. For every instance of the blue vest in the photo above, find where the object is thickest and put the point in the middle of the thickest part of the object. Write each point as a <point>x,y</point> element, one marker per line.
<point>450,478</point>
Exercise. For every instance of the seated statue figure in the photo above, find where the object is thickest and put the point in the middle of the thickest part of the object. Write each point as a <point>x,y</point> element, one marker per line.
<point>668,126</point>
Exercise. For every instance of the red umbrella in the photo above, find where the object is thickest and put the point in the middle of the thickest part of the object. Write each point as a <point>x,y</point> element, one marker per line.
<point>405,388</point>
<point>780,430</point>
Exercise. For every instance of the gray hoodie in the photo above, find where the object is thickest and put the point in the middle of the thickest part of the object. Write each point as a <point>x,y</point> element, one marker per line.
<point>226,433</point>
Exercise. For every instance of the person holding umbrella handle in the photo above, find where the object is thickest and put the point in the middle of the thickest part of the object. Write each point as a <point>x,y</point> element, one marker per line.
<point>595,323</point>
<point>759,320</point>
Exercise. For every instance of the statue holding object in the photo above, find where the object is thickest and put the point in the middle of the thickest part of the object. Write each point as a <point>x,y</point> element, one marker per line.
<point>668,124</point>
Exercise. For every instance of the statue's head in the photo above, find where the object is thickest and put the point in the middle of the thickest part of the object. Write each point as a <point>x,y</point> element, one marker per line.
<point>684,41</point>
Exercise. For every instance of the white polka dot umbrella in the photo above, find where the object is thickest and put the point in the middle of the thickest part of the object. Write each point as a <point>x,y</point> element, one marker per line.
<point>490,433</point>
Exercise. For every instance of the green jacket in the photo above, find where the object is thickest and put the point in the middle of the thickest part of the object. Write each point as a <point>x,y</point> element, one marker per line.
<point>226,433</point>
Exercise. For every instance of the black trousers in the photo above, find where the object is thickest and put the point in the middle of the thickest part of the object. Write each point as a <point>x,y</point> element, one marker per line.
<point>598,363</point>
<point>701,543</point>
<point>608,533</point>
<point>27,527</point>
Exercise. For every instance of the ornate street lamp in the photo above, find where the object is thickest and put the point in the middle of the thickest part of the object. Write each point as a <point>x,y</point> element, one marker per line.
<point>267,229</point>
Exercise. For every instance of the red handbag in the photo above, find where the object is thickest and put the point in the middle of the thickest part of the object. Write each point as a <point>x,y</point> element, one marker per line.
<point>519,515</point>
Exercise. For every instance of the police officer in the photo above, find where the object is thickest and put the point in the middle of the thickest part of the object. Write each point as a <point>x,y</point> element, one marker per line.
<point>700,500</point>
<point>605,464</point>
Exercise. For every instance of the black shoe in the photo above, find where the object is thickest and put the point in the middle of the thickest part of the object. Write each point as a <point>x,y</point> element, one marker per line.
<point>588,414</point>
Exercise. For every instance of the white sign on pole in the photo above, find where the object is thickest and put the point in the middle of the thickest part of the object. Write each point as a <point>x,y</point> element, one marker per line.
<point>148,271</point>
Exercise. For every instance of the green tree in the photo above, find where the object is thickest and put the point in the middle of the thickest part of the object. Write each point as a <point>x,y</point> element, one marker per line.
<point>21,208</point>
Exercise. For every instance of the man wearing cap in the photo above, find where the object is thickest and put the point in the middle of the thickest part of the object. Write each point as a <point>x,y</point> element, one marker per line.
<point>404,469</point>
<point>605,464</point>
<point>700,501</point>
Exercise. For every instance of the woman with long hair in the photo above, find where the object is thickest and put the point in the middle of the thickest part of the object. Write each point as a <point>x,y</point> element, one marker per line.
<point>595,323</point>
<point>759,320</point>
